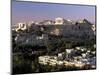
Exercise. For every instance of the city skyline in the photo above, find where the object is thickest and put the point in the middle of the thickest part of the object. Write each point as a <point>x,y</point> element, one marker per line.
<point>36,11</point>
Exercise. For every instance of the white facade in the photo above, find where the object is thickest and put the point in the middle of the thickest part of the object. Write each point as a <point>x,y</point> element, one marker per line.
<point>94,28</point>
<point>59,21</point>
<point>21,26</point>
<point>48,22</point>
<point>69,50</point>
<point>30,23</point>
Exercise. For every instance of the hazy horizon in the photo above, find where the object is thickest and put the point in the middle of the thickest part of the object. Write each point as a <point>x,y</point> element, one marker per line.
<point>34,11</point>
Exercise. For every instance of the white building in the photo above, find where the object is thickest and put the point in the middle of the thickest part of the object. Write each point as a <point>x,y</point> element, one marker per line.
<point>81,48</point>
<point>94,29</point>
<point>47,22</point>
<point>31,23</point>
<point>83,55</point>
<point>44,59</point>
<point>22,26</point>
<point>69,50</point>
<point>59,21</point>
<point>78,48</point>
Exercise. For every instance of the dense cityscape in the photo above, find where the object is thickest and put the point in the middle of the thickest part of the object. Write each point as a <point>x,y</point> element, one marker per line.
<point>49,46</point>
